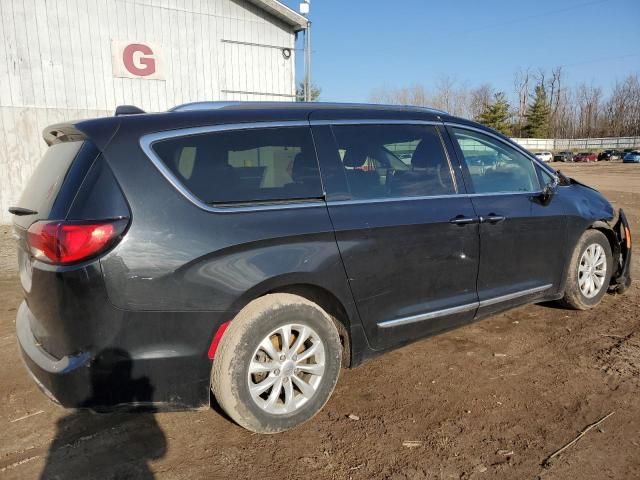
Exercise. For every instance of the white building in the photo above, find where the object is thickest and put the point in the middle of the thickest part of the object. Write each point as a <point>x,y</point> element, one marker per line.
<point>69,59</point>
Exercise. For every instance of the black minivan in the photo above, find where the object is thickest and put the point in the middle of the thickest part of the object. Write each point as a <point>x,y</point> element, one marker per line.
<point>251,250</point>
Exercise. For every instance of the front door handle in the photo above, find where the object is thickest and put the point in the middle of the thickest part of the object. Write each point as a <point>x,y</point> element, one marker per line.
<point>492,218</point>
<point>462,220</point>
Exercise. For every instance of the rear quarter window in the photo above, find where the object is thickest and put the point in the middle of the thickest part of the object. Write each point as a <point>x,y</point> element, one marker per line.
<point>241,166</point>
<point>42,188</point>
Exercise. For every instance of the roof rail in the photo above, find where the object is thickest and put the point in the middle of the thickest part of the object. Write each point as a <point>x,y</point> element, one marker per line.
<point>435,110</point>
<point>186,107</point>
<point>128,110</point>
<point>217,105</point>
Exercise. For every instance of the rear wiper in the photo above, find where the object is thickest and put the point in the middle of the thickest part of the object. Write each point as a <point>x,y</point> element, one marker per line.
<point>22,211</point>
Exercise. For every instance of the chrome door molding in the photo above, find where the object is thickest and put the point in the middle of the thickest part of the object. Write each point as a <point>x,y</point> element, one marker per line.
<point>462,308</point>
<point>428,316</point>
<point>512,296</point>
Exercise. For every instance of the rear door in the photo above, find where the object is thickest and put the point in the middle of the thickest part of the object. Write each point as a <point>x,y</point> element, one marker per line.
<point>522,238</point>
<point>407,233</point>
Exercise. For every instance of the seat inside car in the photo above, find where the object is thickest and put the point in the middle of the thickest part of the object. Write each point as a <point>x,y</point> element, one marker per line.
<point>212,174</point>
<point>363,181</point>
<point>429,174</point>
<point>304,172</point>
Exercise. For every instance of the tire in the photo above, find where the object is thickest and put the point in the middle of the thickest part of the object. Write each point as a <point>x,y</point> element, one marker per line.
<point>575,296</point>
<point>260,323</point>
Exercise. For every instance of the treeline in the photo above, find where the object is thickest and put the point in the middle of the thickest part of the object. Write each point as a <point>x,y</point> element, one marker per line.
<point>540,105</point>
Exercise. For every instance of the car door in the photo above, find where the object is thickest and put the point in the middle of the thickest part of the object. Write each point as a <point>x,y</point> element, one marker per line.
<point>406,231</point>
<point>522,236</point>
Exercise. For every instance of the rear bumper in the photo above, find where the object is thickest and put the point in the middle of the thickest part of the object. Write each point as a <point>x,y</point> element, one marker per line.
<point>120,375</point>
<point>64,380</point>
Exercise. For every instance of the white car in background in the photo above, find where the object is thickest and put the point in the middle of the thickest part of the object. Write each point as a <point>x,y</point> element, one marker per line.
<point>544,156</point>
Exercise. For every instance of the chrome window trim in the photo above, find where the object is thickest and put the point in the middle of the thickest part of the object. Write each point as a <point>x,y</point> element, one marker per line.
<point>367,201</point>
<point>511,144</point>
<point>499,194</point>
<point>462,308</point>
<point>146,143</point>
<point>426,197</point>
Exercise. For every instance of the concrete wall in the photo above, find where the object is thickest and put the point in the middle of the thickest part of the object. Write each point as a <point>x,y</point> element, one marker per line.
<point>573,144</point>
<point>56,65</point>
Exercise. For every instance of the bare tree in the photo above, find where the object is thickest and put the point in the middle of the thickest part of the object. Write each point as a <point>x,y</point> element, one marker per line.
<point>522,82</point>
<point>589,99</point>
<point>580,111</point>
<point>622,110</point>
<point>479,98</point>
<point>412,95</point>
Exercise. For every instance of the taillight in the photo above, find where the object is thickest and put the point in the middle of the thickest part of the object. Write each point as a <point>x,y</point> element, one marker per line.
<point>67,242</point>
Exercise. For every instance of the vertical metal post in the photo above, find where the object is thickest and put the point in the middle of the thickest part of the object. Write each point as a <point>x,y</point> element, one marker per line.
<point>308,89</point>
<point>307,63</point>
<point>306,84</point>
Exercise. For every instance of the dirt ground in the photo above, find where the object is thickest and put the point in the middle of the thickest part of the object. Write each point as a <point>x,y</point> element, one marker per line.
<point>491,400</point>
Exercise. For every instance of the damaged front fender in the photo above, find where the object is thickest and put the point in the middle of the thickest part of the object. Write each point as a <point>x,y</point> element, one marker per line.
<point>621,278</point>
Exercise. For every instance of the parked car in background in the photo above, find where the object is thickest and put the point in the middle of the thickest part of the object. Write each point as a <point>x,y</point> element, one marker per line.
<point>609,155</point>
<point>585,157</point>
<point>632,157</point>
<point>563,157</point>
<point>544,156</point>
<point>252,250</point>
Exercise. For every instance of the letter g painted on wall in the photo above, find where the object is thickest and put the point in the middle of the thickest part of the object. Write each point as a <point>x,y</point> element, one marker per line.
<point>141,60</point>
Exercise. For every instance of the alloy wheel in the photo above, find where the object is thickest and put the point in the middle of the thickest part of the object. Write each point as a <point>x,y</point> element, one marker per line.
<point>286,369</point>
<point>592,270</point>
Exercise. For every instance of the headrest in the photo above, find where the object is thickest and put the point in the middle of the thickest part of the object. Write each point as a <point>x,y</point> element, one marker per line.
<point>428,154</point>
<point>304,166</point>
<point>355,156</point>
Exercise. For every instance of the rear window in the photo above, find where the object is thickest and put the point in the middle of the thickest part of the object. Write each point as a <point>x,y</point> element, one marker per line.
<point>240,166</point>
<point>42,188</point>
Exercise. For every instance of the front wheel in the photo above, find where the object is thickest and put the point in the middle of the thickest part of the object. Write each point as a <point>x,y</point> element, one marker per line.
<point>589,271</point>
<point>277,363</point>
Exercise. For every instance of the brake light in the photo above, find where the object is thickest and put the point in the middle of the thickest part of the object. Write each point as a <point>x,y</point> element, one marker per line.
<point>67,242</point>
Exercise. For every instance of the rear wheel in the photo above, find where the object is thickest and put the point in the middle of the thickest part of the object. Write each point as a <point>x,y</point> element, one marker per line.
<point>589,271</point>
<point>277,363</point>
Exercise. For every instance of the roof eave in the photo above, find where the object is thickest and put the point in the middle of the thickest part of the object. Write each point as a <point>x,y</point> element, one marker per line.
<point>282,12</point>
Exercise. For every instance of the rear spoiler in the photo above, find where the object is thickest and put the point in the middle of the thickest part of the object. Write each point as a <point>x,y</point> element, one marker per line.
<point>128,110</point>
<point>67,132</point>
<point>62,132</point>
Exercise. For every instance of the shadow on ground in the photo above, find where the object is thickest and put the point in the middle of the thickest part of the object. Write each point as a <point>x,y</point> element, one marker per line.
<point>108,445</point>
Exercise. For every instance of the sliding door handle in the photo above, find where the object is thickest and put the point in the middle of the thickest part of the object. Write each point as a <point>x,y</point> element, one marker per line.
<point>462,220</point>
<point>492,218</point>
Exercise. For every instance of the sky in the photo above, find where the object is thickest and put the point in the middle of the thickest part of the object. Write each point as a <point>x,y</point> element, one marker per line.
<point>358,45</point>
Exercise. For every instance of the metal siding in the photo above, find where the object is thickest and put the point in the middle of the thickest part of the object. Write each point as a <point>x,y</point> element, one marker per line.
<point>55,65</point>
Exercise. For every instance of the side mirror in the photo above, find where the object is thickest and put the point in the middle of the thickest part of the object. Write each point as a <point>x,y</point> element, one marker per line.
<point>549,190</point>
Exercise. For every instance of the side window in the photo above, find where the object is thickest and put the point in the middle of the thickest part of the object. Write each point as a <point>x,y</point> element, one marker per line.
<point>494,166</point>
<point>387,161</point>
<point>250,165</point>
